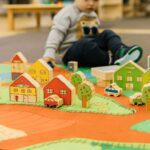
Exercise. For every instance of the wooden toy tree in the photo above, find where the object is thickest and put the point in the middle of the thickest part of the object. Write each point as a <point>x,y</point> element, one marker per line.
<point>77,78</point>
<point>146,96</point>
<point>85,92</point>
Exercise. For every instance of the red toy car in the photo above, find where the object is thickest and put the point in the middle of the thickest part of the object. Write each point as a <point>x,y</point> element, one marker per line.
<point>53,101</point>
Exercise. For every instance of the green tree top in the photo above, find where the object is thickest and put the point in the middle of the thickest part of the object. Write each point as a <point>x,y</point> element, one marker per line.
<point>86,89</point>
<point>77,78</point>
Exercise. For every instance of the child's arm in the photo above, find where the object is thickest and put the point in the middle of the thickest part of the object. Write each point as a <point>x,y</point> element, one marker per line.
<point>50,61</point>
<point>57,35</point>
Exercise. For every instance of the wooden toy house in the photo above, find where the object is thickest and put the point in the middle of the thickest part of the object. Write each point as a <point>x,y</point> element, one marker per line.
<point>129,76</point>
<point>146,95</point>
<point>41,71</point>
<point>62,87</point>
<point>24,89</point>
<point>146,77</point>
<point>104,74</point>
<point>18,65</point>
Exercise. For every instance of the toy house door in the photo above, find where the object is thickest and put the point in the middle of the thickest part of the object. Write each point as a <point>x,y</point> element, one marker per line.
<point>16,98</point>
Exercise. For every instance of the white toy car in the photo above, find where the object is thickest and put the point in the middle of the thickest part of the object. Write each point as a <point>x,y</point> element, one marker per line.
<point>113,89</point>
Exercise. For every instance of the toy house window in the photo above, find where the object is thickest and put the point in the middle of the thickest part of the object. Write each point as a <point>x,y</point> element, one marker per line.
<point>22,90</point>
<point>50,91</point>
<point>43,72</point>
<point>32,71</point>
<point>139,79</point>
<point>26,86</point>
<point>15,67</point>
<point>119,78</point>
<point>129,86</point>
<point>15,90</point>
<point>129,78</point>
<point>63,92</point>
<point>29,91</point>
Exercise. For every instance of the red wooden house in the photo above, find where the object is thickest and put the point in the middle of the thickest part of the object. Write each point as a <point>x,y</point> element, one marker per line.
<point>62,87</point>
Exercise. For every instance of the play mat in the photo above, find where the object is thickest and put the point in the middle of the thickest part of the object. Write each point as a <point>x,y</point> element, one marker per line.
<point>110,123</point>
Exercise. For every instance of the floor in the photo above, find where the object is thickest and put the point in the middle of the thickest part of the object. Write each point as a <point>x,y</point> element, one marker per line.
<point>27,23</point>
<point>23,23</point>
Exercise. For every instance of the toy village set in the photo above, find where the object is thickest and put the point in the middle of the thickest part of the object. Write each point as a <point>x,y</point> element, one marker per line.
<point>71,89</point>
<point>41,84</point>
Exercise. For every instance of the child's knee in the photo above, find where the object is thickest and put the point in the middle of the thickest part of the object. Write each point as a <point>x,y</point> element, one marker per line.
<point>108,31</point>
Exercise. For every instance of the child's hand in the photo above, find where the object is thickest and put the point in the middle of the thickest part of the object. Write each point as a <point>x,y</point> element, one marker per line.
<point>50,61</point>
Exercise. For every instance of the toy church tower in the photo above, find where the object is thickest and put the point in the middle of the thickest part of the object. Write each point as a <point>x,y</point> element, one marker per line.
<point>18,65</point>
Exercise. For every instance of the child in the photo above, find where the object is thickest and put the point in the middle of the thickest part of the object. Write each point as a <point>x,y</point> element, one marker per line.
<point>75,36</point>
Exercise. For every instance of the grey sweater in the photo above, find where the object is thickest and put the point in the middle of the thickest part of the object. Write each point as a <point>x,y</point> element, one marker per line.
<point>67,28</point>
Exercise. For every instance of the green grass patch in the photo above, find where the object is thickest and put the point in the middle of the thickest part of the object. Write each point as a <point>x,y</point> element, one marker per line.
<point>142,126</point>
<point>5,68</point>
<point>86,144</point>
<point>98,104</point>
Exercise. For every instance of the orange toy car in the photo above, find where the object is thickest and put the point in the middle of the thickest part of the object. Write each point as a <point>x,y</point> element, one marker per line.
<point>53,101</point>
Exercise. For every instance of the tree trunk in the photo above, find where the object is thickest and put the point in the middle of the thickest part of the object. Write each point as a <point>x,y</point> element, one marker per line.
<point>76,87</point>
<point>85,103</point>
<point>148,105</point>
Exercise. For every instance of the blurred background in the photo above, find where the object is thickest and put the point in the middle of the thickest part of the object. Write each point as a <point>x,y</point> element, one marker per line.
<point>129,18</point>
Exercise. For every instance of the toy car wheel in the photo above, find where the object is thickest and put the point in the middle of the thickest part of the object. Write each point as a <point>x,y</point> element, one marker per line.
<point>53,106</point>
<point>47,105</point>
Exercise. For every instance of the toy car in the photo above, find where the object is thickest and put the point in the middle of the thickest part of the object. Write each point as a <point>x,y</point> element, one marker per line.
<point>113,89</point>
<point>136,99</point>
<point>53,101</point>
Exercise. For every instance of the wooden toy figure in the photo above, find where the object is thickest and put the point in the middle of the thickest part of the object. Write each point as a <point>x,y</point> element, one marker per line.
<point>86,91</point>
<point>18,65</point>
<point>72,66</point>
<point>146,95</point>
<point>77,78</point>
